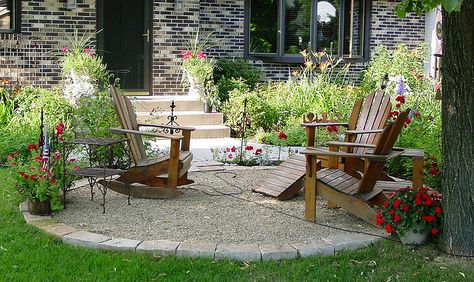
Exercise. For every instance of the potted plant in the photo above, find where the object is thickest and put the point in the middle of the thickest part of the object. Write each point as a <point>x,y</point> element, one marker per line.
<point>196,66</point>
<point>40,175</point>
<point>412,214</point>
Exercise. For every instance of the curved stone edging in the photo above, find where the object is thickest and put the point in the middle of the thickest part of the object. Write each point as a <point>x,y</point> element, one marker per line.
<point>326,246</point>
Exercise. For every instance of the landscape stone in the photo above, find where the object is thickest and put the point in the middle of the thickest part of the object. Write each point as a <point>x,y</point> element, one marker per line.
<point>350,241</point>
<point>318,248</point>
<point>24,206</point>
<point>58,229</point>
<point>85,239</point>
<point>238,252</point>
<point>194,250</point>
<point>277,252</point>
<point>120,244</point>
<point>159,247</point>
<point>30,217</point>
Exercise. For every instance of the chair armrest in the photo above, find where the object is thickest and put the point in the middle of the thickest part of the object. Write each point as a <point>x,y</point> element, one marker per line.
<point>168,126</point>
<point>350,144</point>
<point>319,124</point>
<point>153,134</point>
<point>316,152</point>
<point>364,131</point>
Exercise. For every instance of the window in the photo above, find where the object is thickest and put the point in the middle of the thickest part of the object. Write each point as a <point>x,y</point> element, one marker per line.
<point>9,15</point>
<point>277,30</point>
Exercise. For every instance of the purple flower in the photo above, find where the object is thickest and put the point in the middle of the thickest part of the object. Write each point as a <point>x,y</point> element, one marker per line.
<point>401,87</point>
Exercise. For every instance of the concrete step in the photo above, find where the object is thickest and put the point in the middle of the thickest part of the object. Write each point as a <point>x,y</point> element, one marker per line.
<point>147,104</point>
<point>188,118</point>
<point>210,131</point>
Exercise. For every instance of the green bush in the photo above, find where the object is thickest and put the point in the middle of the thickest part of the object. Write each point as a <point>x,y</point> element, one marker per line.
<point>235,74</point>
<point>406,69</point>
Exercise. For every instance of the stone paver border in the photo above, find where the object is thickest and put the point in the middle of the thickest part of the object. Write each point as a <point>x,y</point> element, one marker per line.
<point>255,252</point>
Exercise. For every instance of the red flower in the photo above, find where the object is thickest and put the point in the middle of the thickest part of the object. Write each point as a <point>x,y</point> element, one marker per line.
<point>16,153</point>
<point>34,177</point>
<point>64,49</point>
<point>332,128</point>
<point>393,114</point>
<point>391,212</point>
<point>434,171</point>
<point>230,156</point>
<point>31,147</point>
<point>417,114</point>
<point>258,151</point>
<point>87,50</point>
<point>434,231</point>
<point>77,167</point>
<point>428,202</point>
<point>397,218</point>
<point>397,203</point>
<point>401,99</point>
<point>389,228</point>
<point>408,120</point>
<point>52,181</point>
<point>430,118</point>
<point>385,204</point>
<point>398,105</point>
<point>60,128</point>
<point>418,201</point>
<point>438,210</point>
<point>282,135</point>
<point>406,208</point>
<point>9,158</point>
<point>57,156</point>
<point>248,148</point>
<point>233,149</point>
<point>428,218</point>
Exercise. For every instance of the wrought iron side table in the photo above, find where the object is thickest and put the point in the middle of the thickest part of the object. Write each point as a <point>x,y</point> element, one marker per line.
<point>97,170</point>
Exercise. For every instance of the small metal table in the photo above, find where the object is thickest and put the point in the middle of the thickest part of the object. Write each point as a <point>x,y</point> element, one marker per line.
<point>97,170</point>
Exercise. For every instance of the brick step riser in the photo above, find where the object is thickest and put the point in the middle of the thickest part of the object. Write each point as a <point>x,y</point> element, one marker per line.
<point>185,120</point>
<point>182,106</point>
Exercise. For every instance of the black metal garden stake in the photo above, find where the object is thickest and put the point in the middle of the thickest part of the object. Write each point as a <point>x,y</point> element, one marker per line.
<point>172,118</point>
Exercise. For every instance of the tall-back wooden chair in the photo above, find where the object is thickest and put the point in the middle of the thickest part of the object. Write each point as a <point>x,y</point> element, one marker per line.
<point>357,196</point>
<point>160,175</point>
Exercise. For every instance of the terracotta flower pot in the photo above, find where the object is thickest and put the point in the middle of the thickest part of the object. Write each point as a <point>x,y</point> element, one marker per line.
<point>37,207</point>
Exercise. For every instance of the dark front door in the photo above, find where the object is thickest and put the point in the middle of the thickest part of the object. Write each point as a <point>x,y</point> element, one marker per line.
<point>124,42</point>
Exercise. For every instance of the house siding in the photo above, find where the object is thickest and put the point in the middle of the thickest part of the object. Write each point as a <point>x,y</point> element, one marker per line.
<point>30,58</point>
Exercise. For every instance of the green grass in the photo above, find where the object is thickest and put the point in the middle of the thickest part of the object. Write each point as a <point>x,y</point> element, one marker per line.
<point>27,254</point>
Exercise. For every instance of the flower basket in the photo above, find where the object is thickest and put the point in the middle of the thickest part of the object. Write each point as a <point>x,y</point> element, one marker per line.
<point>38,207</point>
<point>412,214</point>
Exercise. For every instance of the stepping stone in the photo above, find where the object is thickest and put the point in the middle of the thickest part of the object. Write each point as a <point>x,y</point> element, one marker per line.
<point>58,229</point>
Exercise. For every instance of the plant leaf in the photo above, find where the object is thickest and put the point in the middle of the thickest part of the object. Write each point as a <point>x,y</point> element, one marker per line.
<point>452,5</point>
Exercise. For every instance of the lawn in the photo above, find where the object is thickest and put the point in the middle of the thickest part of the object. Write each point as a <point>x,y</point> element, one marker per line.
<point>26,254</point>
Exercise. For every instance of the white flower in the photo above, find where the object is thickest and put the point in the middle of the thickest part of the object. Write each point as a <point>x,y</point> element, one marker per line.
<point>77,87</point>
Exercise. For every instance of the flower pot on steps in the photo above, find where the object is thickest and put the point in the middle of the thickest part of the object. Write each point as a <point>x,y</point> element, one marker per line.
<point>417,235</point>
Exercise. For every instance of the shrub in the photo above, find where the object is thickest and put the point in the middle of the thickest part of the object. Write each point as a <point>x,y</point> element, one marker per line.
<point>235,74</point>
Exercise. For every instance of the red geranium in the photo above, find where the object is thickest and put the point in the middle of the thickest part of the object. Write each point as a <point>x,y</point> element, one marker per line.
<point>427,214</point>
<point>282,135</point>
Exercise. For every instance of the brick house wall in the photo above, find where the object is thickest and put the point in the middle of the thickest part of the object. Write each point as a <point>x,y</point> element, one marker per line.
<point>45,24</point>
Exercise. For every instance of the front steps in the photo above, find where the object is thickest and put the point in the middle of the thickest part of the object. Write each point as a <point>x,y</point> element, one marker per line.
<point>188,112</point>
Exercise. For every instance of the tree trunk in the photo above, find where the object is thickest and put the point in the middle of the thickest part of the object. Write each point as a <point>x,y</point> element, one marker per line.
<point>458,130</point>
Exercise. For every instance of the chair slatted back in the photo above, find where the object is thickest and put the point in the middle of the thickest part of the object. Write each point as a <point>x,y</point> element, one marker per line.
<point>383,146</point>
<point>374,114</point>
<point>128,120</point>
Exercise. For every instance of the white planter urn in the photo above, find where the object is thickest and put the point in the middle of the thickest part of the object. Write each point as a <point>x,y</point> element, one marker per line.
<point>196,87</point>
<point>415,236</point>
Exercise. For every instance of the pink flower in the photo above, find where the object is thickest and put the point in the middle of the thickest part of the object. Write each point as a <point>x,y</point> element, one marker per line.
<point>201,55</point>
<point>258,151</point>
<point>248,148</point>
<point>64,49</point>
<point>185,54</point>
<point>16,153</point>
<point>57,156</point>
<point>9,158</point>
<point>230,156</point>
<point>233,149</point>
<point>87,50</point>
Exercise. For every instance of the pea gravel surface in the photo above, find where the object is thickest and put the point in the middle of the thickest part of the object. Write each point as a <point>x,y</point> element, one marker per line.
<point>219,207</point>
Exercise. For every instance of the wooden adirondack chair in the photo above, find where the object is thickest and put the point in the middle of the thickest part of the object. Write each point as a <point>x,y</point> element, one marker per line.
<point>160,176</point>
<point>367,119</point>
<point>358,196</point>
